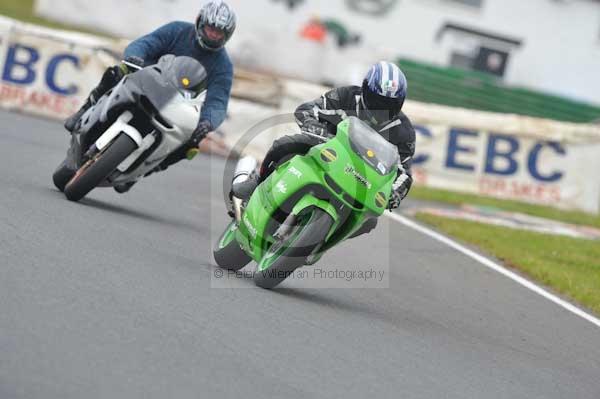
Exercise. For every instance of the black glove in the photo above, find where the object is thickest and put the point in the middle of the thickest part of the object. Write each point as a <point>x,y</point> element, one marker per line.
<point>204,127</point>
<point>400,190</point>
<point>202,130</point>
<point>133,62</point>
<point>313,126</point>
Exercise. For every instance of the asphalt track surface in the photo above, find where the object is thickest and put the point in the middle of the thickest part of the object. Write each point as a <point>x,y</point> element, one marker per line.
<point>115,298</point>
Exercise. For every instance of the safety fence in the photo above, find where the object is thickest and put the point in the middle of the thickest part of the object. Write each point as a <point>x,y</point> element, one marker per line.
<point>476,90</point>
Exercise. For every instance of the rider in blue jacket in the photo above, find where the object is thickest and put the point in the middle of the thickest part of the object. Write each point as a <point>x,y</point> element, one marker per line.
<point>205,41</point>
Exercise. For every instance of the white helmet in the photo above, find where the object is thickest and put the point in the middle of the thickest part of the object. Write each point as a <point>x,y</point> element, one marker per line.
<point>215,25</point>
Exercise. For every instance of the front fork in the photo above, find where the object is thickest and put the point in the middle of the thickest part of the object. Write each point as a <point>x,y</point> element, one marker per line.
<point>237,209</point>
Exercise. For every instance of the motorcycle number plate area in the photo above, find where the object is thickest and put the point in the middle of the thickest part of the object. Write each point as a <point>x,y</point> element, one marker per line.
<point>146,144</point>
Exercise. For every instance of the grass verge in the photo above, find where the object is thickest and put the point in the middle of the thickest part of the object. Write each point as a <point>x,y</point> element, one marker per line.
<point>569,266</point>
<point>453,198</point>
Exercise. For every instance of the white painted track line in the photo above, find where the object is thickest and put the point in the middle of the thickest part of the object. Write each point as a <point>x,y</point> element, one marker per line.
<point>494,266</point>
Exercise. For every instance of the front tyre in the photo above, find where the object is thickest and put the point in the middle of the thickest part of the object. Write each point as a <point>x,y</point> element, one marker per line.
<point>228,253</point>
<point>289,253</point>
<point>97,169</point>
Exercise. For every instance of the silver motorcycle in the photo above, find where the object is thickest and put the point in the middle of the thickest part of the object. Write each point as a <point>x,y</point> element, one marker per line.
<point>134,127</point>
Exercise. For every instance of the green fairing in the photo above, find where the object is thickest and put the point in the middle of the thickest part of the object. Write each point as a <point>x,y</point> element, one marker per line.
<point>297,185</point>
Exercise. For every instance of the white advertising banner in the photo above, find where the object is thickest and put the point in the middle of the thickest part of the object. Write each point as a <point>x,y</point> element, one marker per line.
<point>512,167</point>
<point>507,156</point>
<point>451,157</point>
<point>48,73</point>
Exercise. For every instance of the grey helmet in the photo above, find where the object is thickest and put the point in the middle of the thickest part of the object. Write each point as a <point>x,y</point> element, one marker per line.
<point>216,15</point>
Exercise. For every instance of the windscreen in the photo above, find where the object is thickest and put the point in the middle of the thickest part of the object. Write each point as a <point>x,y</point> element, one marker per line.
<point>184,73</point>
<point>372,148</point>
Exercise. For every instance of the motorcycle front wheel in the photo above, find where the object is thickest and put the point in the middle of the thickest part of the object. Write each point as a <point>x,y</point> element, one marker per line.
<point>97,169</point>
<point>228,254</point>
<point>288,253</point>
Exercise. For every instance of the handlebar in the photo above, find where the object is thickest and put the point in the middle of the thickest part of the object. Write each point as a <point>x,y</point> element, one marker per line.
<point>316,136</point>
<point>131,65</point>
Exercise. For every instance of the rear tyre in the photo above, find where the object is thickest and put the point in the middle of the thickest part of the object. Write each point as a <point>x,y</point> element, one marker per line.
<point>290,252</point>
<point>97,169</point>
<point>61,176</point>
<point>228,254</point>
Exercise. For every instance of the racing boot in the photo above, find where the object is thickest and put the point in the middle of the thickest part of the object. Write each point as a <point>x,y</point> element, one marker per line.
<point>245,181</point>
<point>71,122</point>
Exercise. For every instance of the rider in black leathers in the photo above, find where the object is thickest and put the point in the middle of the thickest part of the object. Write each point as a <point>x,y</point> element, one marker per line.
<point>378,102</point>
<point>383,113</point>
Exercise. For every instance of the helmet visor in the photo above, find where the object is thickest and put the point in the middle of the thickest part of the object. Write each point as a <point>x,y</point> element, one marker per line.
<point>213,34</point>
<point>375,102</point>
<point>211,37</point>
<point>382,107</point>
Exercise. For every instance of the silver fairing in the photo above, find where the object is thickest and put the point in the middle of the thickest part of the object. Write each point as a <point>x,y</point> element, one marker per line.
<point>171,111</point>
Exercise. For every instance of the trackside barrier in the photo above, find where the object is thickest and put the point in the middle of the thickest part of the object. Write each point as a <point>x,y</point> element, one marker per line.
<point>48,73</point>
<point>504,156</point>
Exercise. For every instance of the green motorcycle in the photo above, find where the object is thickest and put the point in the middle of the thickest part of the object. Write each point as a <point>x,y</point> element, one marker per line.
<point>311,203</point>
